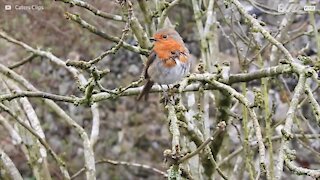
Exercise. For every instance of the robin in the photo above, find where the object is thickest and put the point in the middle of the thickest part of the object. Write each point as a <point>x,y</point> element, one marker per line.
<point>168,61</point>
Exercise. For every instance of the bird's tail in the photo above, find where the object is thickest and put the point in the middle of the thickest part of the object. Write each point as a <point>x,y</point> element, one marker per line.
<point>145,90</point>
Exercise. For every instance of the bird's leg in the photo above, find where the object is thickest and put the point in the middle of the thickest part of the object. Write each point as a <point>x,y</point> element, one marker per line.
<point>166,97</point>
<point>170,93</point>
<point>168,86</point>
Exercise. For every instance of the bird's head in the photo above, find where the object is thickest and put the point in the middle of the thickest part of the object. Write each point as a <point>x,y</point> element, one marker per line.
<point>167,40</point>
<point>165,35</point>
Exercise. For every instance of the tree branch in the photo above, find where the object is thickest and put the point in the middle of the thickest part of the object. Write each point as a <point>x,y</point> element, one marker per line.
<point>94,10</point>
<point>24,61</point>
<point>94,30</point>
<point>220,128</point>
<point>9,166</point>
<point>286,131</point>
<point>245,102</point>
<point>124,163</point>
<point>299,170</point>
<point>165,11</point>
<point>41,140</point>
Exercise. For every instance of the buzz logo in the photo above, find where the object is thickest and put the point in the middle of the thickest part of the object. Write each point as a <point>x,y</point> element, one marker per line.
<point>295,8</point>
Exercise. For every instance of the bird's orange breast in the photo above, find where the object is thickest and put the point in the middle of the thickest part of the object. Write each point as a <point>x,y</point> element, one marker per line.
<point>164,51</point>
<point>183,58</point>
<point>169,63</point>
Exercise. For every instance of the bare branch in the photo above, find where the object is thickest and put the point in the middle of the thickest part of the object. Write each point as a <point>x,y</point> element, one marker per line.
<point>9,166</point>
<point>286,131</point>
<point>314,103</point>
<point>245,102</point>
<point>257,27</point>
<point>254,144</point>
<point>16,138</point>
<point>37,94</point>
<point>94,10</point>
<point>24,61</point>
<point>124,163</point>
<point>165,11</point>
<point>95,125</point>
<point>41,140</point>
<point>133,90</point>
<point>145,8</point>
<point>174,128</point>
<point>113,50</point>
<point>220,127</point>
<point>91,28</point>
<point>89,157</point>
<point>299,170</point>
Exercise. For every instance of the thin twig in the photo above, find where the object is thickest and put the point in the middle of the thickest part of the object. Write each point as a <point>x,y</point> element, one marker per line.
<point>245,102</point>
<point>37,94</point>
<point>314,103</point>
<point>257,27</point>
<point>9,166</point>
<point>254,144</point>
<point>41,140</point>
<point>24,61</point>
<point>312,150</point>
<point>300,170</point>
<point>121,40</point>
<point>93,29</point>
<point>221,127</point>
<point>94,10</point>
<point>148,17</point>
<point>165,11</point>
<point>138,31</point>
<point>286,131</point>
<point>113,162</point>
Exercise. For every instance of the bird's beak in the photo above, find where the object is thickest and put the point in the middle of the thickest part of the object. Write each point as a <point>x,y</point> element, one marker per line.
<point>152,39</point>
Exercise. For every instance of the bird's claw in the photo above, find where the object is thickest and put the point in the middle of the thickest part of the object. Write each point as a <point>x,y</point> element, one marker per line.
<point>166,99</point>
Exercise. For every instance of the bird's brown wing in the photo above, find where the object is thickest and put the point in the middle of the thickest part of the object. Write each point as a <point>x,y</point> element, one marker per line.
<point>150,60</point>
<point>149,83</point>
<point>145,90</point>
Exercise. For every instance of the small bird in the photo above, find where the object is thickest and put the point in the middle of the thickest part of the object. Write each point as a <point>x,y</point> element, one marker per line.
<point>168,62</point>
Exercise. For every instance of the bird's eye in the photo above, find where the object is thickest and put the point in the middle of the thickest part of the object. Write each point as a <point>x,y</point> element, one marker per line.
<point>164,36</point>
